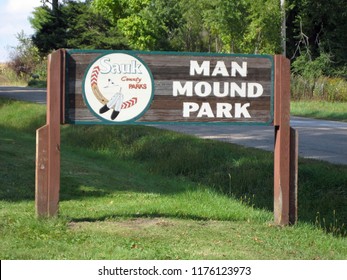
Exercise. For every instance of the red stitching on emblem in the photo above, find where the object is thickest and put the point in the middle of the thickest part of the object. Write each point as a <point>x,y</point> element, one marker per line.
<point>129,103</point>
<point>95,74</point>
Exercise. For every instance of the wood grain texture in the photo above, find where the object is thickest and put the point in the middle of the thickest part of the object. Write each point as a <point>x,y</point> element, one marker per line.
<point>48,141</point>
<point>165,69</point>
<point>41,172</point>
<point>282,141</point>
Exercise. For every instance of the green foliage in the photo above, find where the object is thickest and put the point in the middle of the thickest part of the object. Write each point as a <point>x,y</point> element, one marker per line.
<point>195,25</point>
<point>26,63</point>
<point>147,25</point>
<point>314,28</point>
<point>111,9</point>
<point>50,29</point>
<point>37,83</point>
<point>25,58</point>
<point>315,37</point>
<point>88,30</point>
<point>263,29</point>
<point>309,68</point>
<point>139,33</point>
<point>73,25</point>
<point>310,79</point>
<point>317,26</point>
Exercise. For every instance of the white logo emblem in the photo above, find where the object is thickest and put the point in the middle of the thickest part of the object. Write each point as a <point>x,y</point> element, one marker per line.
<point>118,87</point>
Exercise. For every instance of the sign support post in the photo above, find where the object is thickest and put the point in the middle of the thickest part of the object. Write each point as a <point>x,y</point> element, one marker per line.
<point>47,182</point>
<point>293,192</point>
<point>282,141</point>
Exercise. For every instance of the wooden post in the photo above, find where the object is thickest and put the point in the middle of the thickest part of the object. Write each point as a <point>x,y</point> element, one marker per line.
<point>41,175</point>
<point>47,182</point>
<point>282,141</point>
<point>293,188</point>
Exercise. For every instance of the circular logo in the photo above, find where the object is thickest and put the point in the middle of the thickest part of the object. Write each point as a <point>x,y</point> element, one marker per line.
<point>118,87</point>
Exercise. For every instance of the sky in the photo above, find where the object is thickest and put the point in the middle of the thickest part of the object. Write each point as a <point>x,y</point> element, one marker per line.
<point>13,19</point>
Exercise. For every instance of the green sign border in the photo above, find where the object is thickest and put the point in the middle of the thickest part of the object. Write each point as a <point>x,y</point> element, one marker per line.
<point>135,53</point>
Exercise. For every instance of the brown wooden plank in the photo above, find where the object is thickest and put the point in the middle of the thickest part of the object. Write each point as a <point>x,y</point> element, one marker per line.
<point>174,116</point>
<point>169,103</point>
<point>41,172</point>
<point>47,182</point>
<point>293,190</point>
<point>259,108</point>
<point>282,141</point>
<point>55,89</point>
<point>167,68</point>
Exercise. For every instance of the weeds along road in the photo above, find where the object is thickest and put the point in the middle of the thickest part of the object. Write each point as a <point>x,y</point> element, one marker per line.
<point>318,139</point>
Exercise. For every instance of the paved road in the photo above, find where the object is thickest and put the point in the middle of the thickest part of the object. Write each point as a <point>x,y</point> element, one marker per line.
<point>323,140</point>
<point>25,94</point>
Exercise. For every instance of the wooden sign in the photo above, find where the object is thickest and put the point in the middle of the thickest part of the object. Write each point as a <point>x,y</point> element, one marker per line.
<point>121,87</point>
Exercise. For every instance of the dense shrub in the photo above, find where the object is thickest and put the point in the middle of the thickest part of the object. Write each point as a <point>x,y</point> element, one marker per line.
<point>318,79</point>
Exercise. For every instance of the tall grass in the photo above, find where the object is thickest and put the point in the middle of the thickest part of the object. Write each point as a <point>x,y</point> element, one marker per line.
<point>8,77</point>
<point>322,88</point>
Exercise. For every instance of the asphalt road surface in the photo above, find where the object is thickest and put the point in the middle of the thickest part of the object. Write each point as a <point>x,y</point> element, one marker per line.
<point>25,94</point>
<point>318,139</point>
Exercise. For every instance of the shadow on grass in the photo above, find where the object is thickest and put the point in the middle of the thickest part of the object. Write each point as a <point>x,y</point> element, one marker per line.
<point>139,216</point>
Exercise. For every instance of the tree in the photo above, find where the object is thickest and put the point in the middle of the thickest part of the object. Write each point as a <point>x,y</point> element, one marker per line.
<point>89,30</point>
<point>73,25</point>
<point>196,25</point>
<point>54,4</point>
<point>146,24</point>
<point>25,56</point>
<point>138,26</point>
<point>111,9</point>
<point>193,34</point>
<point>226,21</point>
<point>50,29</point>
<point>316,27</point>
<point>263,31</point>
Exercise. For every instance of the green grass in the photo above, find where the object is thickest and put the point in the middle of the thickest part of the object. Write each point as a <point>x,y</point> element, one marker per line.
<point>336,111</point>
<point>133,192</point>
